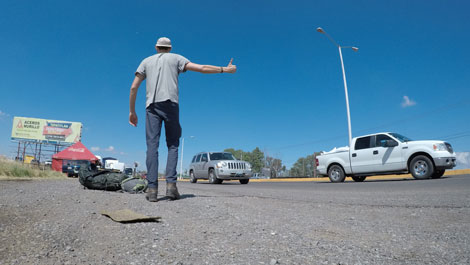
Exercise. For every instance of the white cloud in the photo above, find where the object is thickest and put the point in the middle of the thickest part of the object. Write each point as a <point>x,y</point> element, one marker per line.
<point>463,159</point>
<point>109,149</point>
<point>407,102</point>
<point>3,115</point>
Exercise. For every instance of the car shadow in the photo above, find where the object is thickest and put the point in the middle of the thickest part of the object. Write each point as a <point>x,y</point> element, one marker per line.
<point>381,180</point>
<point>223,183</point>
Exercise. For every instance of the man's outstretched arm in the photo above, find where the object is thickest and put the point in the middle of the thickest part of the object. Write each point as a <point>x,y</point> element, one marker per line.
<point>132,96</point>
<point>211,69</point>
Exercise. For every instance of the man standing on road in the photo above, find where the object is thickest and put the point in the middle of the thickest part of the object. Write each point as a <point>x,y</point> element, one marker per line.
<point>161,71</point>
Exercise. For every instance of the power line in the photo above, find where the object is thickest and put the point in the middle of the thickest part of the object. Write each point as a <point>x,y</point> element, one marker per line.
<point>425,114</point>
<point>421,115</point>
<point>455,137</point>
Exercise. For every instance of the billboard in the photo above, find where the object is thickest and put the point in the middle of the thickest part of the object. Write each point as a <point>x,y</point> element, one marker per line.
<point>46,131</point>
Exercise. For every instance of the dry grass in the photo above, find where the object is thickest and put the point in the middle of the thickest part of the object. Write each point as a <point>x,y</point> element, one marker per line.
<point>15,170</point>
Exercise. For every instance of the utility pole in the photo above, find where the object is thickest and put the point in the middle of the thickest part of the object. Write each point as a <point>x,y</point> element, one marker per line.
<point>303,162</point>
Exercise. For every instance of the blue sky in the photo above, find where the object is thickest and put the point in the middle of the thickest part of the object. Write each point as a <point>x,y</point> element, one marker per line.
<point>75,61</point>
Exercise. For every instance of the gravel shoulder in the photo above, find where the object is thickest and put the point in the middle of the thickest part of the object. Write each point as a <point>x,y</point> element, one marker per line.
<point>59,222</point>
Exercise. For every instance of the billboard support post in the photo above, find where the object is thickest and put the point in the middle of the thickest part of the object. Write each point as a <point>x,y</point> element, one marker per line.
<point>39,154</point>
<point>18,152</point>
<point>24,151</point>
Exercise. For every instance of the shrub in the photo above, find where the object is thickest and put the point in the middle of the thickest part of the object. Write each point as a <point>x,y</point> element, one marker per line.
<point>15,169</point>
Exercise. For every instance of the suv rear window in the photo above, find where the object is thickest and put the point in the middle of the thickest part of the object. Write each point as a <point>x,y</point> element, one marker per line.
<point>198,159</point>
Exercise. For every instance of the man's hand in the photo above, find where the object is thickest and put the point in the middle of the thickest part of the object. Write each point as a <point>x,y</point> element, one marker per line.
<point>230,68</point>
<point>133,119</point>
<point>133,94</point>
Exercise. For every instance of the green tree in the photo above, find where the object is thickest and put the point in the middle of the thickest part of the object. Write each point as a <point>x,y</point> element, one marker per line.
<point>298,169</point>
<point>304,166</point>
<point>275,166</point>
<point>255,158</point>
<point>236,153</point>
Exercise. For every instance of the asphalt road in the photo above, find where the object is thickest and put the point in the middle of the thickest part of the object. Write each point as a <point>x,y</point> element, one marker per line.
<point>451,191</point>
<point>374,222</point>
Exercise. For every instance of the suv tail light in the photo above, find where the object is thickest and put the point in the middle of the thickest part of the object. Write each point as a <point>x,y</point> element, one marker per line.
<point>316,162</point>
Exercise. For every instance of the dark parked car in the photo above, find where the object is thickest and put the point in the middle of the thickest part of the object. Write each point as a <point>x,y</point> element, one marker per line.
<point>129,171</point>
<point>71,167</point>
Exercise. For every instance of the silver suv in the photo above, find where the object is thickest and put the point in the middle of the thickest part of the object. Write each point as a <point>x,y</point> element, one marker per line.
<point>219,166</point>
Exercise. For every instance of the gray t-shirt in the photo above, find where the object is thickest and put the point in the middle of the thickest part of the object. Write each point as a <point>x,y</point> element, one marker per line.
<point>161,71</point>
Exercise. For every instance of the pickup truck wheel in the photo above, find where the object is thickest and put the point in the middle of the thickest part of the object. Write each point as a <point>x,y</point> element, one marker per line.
<point>244,181</point>
<point>192,178</point>
<point>336,174</point>
<point>213,178</point>
<point>438,174</point>
<point>421,167</point>
<point>358,178</point>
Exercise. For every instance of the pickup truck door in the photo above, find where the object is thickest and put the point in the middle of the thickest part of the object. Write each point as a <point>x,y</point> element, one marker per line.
<point>361,155</point>
<point>387,158</point>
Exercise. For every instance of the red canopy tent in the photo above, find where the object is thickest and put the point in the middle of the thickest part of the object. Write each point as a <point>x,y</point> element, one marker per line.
<point>75,152</point>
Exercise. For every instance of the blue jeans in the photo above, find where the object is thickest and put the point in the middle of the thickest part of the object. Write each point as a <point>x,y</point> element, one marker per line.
<point>156,113</point>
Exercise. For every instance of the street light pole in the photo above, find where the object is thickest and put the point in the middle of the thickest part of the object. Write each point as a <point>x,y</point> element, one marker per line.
<point>182,152</point>
<point>344,77</point>
<point>347,98</point>
<point>181,163</point>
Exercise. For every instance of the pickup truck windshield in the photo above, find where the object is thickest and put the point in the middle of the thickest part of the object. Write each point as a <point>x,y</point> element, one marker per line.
<point>400,137</point>
<point>221,156</point>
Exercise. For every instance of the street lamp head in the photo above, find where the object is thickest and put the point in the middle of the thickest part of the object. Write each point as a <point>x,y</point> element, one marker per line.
<point>319,29</point>
<point>355,49</point>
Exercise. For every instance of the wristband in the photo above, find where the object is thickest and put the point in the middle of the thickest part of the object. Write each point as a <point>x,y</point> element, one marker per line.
<point>221,69</point>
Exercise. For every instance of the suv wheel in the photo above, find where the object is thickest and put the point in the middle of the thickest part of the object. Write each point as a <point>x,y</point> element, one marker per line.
<point>336,174</point>
<point>213,178</point>
<point>421,167</point>
<point>358,178</point>
<point>192,178</point>
<point>244,181</point>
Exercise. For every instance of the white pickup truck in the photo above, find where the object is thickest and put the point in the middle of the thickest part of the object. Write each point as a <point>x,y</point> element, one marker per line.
<point>386,153</point>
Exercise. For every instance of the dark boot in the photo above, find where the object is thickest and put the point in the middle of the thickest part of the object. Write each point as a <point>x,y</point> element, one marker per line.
<point>172,191</point>
<point>151,194</point>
